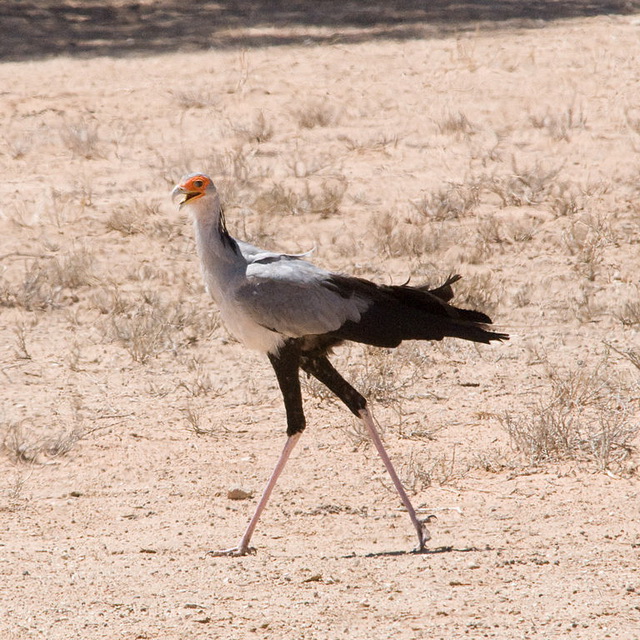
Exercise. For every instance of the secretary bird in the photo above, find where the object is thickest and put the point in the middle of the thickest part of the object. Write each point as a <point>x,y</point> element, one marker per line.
<point>296,313</point>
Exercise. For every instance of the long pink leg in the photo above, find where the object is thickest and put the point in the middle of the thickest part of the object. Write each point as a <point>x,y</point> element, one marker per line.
<point>243,547</point>
<point>423,533</point>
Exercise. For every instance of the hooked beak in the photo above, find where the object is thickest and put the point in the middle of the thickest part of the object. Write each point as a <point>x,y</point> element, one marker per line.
<point>182,195</point>
<point>179,195</point>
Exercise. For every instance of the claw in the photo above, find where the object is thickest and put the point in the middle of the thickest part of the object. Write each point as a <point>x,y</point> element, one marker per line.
<point>424,535</point>
<point>234,552</point>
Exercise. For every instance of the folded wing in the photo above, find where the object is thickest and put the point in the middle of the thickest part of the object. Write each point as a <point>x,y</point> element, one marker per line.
<point>291,297</point>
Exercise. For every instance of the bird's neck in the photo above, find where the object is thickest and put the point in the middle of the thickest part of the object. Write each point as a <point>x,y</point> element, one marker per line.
<point>220,257</point>
<point>215,244</point>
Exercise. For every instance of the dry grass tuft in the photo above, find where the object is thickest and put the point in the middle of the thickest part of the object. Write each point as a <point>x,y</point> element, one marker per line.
<point>453,201</point>
<point>12,498</point>
<point>325,200</point>
<point>458,125</point>
<point>81,138</point>
<point>316,114</point>
<point>72,270</point>
<point>490,230</point>
<point>380,376</point>
<point>22,351</point>
<point>586,243</point>
<point>491,460</point>
<point>146,325</point>
<point>199,384</point>
<point>524,186</point>
<point>629,313</point>
<point>381,143</point>
<point>396,238</point>
<point>23,445</point>
<point>632,355</point>
<point>134,218</point>
<point>45,281</point>
<point>257,131</point>
<point>193,416</point>
<point>559,125</point>
<point>196,99</point>
<point>564,202</point>
<point>385,378</point>
<point>232,169</point>
<point>144,331</point>
<point>418,474</point>
<point>277,200</point>
<point>588,417</point>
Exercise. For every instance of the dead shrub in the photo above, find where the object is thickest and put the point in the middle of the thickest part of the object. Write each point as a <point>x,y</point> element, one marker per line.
<point>196,99</point>
<point>457,124</point>
<point>558,125</point>
<point>564,201</point>
<point>586,417</point>
<point>135,218</point>
<point>147,326</point>
<point>629,313</point>
<point>587,245</point>
<point>526,186</point>
<point>326,199</point>
<point>12,497</point>
<point>23,444</point>
<point>44,281</point>
<point>316,114</point>
<point>450,202</point>
<point>380,143</point>
<point>397,238</point>
<point>81,138</point>
<point>277,200</point>
<point>257,131</point>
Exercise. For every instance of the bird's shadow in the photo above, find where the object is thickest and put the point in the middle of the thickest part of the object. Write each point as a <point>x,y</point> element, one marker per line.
<point>414,552</point>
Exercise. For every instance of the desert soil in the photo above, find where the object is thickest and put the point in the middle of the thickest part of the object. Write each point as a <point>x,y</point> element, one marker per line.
<point>504,148</point>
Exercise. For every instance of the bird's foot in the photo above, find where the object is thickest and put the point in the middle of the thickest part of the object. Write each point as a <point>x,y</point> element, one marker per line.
<point>234,552</point>
<point>423,533</point>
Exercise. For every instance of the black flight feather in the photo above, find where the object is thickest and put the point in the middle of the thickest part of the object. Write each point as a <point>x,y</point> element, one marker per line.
<point>398,313</point>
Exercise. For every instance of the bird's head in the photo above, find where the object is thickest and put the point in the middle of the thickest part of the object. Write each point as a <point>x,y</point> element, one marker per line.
<point>193,187</point>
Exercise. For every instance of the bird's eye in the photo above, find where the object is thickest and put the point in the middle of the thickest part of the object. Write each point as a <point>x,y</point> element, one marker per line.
<point>198,184</point>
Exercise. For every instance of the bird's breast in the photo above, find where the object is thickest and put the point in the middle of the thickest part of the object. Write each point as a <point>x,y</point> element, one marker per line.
<point>247,331</point>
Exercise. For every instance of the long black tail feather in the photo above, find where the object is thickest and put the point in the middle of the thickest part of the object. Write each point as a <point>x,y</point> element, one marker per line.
<point>400,313</point>
<point>444,291</point>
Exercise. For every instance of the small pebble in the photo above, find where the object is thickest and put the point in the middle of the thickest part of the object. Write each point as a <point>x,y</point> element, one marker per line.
<point>238,494</point>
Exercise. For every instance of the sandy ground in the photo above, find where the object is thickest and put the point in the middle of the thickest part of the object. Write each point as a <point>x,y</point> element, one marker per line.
<point>505,150</point>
